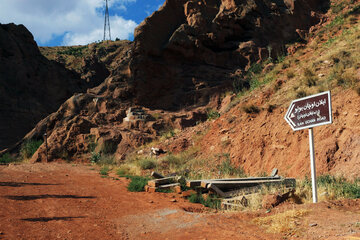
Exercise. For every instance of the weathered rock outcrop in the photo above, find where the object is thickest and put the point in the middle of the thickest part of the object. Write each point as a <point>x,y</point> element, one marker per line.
<point>183,55</point>
<point>191,49</point>
<point>31,86</point>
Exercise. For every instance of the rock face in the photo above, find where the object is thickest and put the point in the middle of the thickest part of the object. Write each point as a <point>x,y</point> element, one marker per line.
<point>31,86</point>
<point>183,55</point>
<point>191,49</point>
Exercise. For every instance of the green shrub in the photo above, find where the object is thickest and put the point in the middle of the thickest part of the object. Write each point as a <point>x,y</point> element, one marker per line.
<point>122,171</point>
<point>196,198</point>
<point>74,51</point>
<point>95,157</point>
<point>6,158</point>
<point>173,160</point>
<point>106,160</point>
<point>169,133</point>
<point>251,109</point>
<point>209,202</point>
<point>339,20</point>
<point>104,171</point>
<point>255,68</point>
<point>147,163</point>
<point>29,147</point>
<point>212,114</point>
<point>226,168</point>
<point>340,187</point>
<point>137,183</point>
<point>337,187</point>
<point>254,83</point>
<point>239,84</point>
<point>280,59</point>
<point>212,203</point>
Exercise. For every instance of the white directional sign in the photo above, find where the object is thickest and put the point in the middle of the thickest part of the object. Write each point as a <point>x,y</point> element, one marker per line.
<point>310,111</point>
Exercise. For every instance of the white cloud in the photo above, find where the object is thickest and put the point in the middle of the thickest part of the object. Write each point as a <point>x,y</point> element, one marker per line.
<point>80,20</point>
<point>120,28</point>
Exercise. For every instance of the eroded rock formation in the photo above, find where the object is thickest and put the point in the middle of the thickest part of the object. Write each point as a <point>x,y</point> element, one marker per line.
<point>31,86</point>
<point>189,50</point>
<point>183,55</point>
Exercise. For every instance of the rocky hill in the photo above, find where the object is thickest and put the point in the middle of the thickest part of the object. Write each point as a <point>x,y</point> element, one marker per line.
<point>188,51</point>
<point>193,61</point>
<point>31,86</point>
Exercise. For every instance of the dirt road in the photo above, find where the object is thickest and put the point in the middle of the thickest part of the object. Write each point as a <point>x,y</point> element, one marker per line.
<point>64,201</point>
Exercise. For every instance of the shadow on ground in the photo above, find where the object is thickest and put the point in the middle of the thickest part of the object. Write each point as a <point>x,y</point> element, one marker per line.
<point>34,197</point>
<point>20,184</point>
<point>48,219</point>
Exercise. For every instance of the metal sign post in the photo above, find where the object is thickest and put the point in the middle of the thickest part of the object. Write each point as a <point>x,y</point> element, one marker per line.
<point>312,164</point>
<point>46,147</point>
<point>309,112</point>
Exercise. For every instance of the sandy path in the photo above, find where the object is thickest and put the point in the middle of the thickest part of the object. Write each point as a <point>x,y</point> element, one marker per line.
<point>63,201</point>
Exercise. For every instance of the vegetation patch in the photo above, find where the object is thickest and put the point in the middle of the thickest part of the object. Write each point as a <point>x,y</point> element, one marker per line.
<point>290,74</point>
<point>210,201</point>
<point>282,222</point>
<point>301,94</point>
<point>104,171</point>
<point>137,183</point>
<point>106,159</point>
<point>271,108</point>
<point>74,51</point>
<point>251,109</point>
<point>95,157</point>
<point>168,133</point>
<point>29,147</point>
<point>147,163</point>
<point>212,114</point>
<point>329,188</point>
<point>227,169</point>
<point>310,78</point>
<point>6,159</point>
<point>339,187</point>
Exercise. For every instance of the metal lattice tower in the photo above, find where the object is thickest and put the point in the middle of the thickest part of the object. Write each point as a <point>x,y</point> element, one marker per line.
<point>107,21</point>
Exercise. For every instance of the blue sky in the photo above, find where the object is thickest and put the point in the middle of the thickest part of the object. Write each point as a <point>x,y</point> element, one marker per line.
<point>76,22</point>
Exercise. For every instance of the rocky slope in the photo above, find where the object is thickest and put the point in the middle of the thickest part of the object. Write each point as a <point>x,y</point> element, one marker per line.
<point>31,86</point>
<point>251,132</point>
<point>185,54</point>
<point>93,62</point>
<point>188,53</point>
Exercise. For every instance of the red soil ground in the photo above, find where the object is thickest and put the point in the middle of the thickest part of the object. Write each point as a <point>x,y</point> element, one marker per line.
<point>63,201</point>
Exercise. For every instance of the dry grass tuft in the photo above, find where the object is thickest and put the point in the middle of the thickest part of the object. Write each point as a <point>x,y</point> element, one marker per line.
<point>285,222</point>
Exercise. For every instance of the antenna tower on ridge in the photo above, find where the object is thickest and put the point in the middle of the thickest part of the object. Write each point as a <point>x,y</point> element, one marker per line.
<point>107,21</point>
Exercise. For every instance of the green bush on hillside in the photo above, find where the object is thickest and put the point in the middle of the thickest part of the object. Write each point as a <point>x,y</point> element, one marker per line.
<point>6,159</point>
<point>210,202</point>
<point>137,183</point>
<point>212,114</point>
<point>29,147</point>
